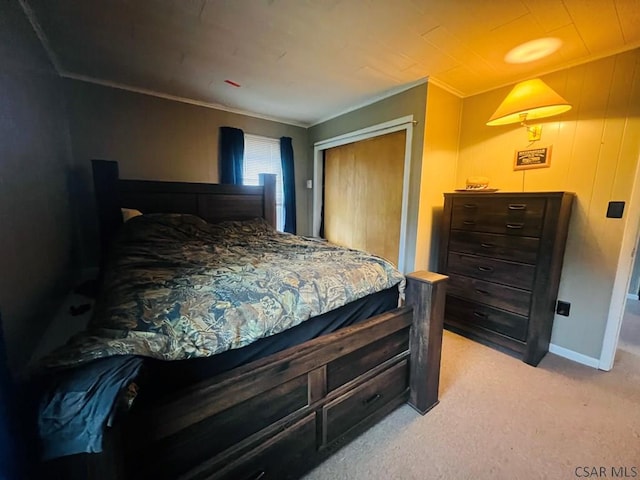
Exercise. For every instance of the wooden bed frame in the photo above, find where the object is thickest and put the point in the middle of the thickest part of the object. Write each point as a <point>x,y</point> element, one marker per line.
<point>280,416</point>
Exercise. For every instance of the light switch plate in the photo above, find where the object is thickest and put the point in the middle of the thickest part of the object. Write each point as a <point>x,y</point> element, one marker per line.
<point>615,210</point>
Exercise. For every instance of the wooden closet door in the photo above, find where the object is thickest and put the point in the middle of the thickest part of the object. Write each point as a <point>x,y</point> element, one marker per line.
<point>363,194</point>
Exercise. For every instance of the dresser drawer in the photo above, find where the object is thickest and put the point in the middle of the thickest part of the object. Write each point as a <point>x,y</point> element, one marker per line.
<point>493,294</point>
<point>284,456</point>
<point>509,216</point>
<point>496,320</point>
<point>350,409</point>
<point>505,247</point>
<point>517,275</point>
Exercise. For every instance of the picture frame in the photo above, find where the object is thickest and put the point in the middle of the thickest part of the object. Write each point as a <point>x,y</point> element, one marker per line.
<point>532,158</point>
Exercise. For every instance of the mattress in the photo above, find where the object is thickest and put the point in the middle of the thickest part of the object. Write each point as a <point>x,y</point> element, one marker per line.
<point>184,300</point>
<point>177,287</point>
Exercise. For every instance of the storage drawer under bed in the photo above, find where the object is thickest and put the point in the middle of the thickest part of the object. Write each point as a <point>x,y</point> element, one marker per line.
<point>349,410</point>
<point>211,436</point>
<point>284,456</point>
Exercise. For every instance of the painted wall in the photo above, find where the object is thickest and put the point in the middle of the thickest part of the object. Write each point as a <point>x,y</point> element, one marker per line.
<point>409,102</point>
<point>36,237</point>
<point>595,151</point>
<point>157,139</point>
<point>634,284</point>
<point>439,161</point>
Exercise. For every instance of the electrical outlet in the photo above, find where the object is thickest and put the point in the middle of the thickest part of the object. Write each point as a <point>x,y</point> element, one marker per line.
<point>563,308</point>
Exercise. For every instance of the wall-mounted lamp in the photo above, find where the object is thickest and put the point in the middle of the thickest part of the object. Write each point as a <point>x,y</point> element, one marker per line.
<point>529,100</point>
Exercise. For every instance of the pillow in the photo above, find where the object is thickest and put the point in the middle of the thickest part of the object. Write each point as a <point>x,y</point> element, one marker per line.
<point>129,213</point>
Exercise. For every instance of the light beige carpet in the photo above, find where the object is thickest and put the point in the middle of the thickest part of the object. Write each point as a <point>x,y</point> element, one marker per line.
<point>499,418</point>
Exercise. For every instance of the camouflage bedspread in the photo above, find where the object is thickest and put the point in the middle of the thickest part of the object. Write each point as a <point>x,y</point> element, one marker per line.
<point>177,287</point>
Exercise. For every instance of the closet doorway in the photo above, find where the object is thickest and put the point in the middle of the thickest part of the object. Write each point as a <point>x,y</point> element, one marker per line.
<point>363,194</point>
<point>360,215</point>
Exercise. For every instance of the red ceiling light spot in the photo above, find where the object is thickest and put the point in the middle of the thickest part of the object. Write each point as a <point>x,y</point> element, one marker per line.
<point>232,83</point>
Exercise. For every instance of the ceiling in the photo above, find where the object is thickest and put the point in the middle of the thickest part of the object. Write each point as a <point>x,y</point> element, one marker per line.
<point>304,61</point>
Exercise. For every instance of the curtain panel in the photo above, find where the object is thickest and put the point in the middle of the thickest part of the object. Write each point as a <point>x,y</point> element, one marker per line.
<point>288,184</point>
<point>231,155</point>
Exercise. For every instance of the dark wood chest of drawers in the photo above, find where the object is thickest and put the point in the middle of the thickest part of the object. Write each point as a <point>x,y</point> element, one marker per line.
<point>503,254</point>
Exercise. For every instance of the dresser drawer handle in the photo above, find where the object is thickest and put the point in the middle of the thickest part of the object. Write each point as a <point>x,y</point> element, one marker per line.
<point>372,399</point>
<point>481,292</point>
<point>470,205</point>
<point>515,226</point>
<point>485,269</point>
<point>469,222</point>
<point>487,245</point>
<point>517,206</point>
<point>480,315</point>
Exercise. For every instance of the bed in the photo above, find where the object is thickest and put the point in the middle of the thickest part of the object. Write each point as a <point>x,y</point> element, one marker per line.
<point>265,415</point>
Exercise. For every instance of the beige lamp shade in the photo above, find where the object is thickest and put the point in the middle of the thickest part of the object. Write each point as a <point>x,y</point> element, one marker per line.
<point>529,100</point>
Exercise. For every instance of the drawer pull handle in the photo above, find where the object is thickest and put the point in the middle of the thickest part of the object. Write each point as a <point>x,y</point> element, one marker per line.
<point>481,292</point>
<point>485,269</point>
<point>470,205</point>
<point>515,226</point>
<point>517,206</point>
<point>480,315</point>
<point>372,399</point>
<point>469,222</point>
<point>487,245</point>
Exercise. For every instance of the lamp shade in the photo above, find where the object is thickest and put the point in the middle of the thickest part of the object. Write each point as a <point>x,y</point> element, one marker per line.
<point>527,101</point>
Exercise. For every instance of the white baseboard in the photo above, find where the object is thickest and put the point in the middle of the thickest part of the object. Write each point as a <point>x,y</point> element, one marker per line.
<point>574,356</point>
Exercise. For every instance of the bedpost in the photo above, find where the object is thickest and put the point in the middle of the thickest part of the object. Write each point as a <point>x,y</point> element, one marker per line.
<point>268,181</point>
<point>105,184</point>
<point>426,294</point>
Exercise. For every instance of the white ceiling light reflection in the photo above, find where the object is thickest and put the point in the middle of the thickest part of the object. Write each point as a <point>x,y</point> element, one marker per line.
<point>533,50</point>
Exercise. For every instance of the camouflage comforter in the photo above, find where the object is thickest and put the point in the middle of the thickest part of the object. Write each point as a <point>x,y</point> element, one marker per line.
<point>177,287</point>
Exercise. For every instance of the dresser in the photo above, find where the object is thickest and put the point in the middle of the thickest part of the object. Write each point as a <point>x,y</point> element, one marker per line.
<point>503,254</point>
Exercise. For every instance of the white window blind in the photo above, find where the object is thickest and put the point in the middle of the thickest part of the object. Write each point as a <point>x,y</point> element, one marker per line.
<point>262,155</point>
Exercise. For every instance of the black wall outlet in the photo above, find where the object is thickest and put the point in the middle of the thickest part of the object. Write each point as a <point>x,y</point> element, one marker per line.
<point>563,308</point>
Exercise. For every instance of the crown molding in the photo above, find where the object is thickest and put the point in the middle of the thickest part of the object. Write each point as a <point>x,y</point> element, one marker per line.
<point>177,98</point>
<point>372,100</point>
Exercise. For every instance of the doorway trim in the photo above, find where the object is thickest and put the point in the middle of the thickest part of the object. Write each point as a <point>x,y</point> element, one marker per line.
<point>402,123</point>
<point>622,278</point>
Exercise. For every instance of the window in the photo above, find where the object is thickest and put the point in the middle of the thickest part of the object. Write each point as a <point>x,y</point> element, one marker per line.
<point>262,155</point>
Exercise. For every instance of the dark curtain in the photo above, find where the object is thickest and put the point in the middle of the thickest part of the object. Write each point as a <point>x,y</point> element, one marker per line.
<point>288,184</point>
<point>231,155</point>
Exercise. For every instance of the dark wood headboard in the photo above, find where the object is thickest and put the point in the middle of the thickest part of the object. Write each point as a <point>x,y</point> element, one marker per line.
<point>212,202</point>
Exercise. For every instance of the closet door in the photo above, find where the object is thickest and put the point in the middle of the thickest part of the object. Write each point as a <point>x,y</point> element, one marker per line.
<point>363,194</point>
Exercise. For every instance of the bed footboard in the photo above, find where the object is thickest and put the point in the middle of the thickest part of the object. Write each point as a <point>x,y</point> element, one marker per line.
<point>426,295</point>
<point>280,416</point>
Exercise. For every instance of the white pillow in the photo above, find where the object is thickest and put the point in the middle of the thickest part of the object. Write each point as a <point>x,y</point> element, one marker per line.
<point>129,213</point>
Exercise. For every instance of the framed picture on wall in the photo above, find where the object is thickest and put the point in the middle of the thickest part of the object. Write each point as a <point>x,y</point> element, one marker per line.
<point>532,158</point>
